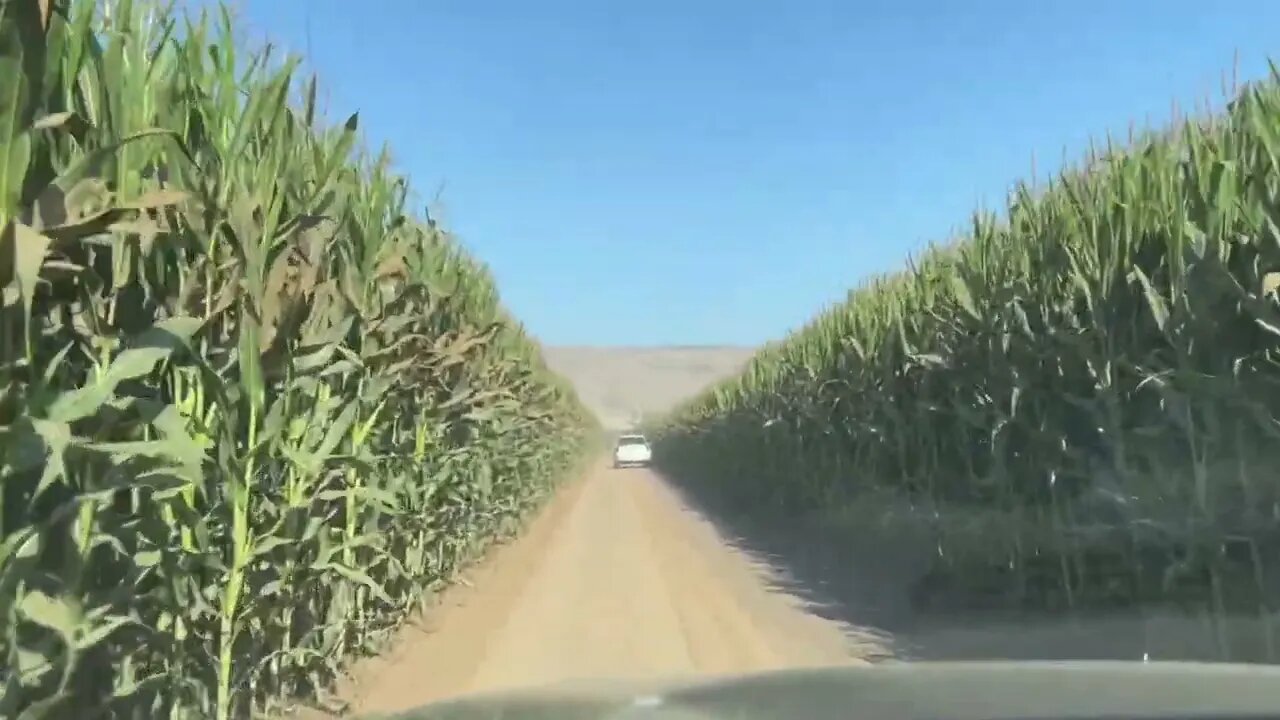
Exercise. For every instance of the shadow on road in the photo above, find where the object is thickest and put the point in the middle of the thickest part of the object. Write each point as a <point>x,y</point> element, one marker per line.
<point>868,583</point>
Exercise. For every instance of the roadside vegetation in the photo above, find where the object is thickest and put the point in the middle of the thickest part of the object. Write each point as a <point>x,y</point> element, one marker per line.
<point>253,408</point>
<point>1076,403</point>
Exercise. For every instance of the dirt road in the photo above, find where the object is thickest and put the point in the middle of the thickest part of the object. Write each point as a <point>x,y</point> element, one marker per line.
<point>617,579</point>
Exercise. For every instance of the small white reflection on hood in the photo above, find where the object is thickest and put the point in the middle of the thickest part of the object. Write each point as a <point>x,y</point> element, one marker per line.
<point>647,701</point>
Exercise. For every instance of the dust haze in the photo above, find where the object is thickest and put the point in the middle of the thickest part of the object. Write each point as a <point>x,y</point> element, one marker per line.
<point>623,384</point>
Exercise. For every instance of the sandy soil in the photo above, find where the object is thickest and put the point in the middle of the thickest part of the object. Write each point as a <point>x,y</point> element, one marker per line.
<point>617,579</point>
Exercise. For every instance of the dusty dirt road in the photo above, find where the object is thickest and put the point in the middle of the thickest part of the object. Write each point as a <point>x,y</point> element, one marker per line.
<point>618,580</point>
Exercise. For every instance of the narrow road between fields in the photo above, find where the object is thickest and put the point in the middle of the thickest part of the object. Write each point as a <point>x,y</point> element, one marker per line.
<point>617,579</point>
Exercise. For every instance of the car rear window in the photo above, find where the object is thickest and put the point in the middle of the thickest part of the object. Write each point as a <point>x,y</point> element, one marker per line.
<point>631,440</point>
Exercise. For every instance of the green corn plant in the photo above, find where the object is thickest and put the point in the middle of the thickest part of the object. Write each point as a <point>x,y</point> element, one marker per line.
<point>252,409</point>
<point>1090,377</point>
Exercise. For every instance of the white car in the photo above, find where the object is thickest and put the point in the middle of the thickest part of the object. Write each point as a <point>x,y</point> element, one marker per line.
<point>631,451</point>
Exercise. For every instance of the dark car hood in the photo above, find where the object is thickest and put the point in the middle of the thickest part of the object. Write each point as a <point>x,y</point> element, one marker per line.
<point>916,691</point>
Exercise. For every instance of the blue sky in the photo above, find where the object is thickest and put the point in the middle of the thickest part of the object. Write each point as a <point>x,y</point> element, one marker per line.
<point>716,172</point>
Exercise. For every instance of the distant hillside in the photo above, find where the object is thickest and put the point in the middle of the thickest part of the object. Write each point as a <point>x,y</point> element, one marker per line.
<point>620,384</point>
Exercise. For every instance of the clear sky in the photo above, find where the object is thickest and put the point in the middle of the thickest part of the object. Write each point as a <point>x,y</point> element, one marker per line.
<point>716,172</point>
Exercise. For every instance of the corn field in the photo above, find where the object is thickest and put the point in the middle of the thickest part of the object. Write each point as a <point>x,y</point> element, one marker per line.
<point>252,409</point>
<point>1077,399</point>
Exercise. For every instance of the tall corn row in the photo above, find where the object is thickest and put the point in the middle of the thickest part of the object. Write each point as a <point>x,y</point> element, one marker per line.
<point>251,409</point>
<point>1095,379</point>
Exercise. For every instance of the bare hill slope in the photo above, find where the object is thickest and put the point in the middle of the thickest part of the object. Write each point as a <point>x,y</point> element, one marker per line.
<point>620,384</point>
